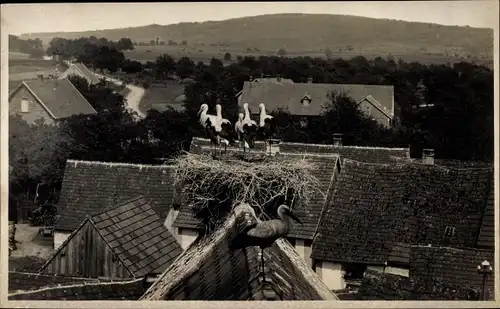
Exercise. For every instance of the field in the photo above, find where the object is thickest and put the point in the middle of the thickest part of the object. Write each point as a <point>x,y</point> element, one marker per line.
<point>160,97</point>
<point>25,69</point>
<point>205,54</point>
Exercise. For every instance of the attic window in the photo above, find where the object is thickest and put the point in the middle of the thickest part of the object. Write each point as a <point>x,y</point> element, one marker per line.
<point>24,105</point>
<point>449,231</point>
<point>306,100</point>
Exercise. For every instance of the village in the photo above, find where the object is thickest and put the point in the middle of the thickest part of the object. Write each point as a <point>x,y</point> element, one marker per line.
<point>261,178</point>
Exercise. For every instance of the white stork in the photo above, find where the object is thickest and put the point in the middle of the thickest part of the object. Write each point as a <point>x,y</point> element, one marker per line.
<point>267,123</point>
<point>249,126</point>
<point>209,123</point>
<point>238,128</point>
<point>223,128</point>
<point>264,233</point>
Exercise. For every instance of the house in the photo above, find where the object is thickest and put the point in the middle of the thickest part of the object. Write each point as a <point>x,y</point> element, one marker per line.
<point>79,69</point>
<point>378,211</point>
<point>88,187</point>
<point>124,241</point>
<point>130,289</point>
<point>211,269</point>
<point>48,99</point>
<point>306,100</point>
<point>328,159</point>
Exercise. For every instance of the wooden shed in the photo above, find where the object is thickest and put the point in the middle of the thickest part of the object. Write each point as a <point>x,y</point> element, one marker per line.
<point>124,241</point>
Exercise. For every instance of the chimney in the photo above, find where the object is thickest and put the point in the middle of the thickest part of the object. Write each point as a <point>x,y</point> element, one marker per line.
<point>428,156</point>
<point>273,147</point>
<point>262,75</point>
<point>251,78</point>
<point>337,139</point>
<point>278,78</point>
<point>309,80</point>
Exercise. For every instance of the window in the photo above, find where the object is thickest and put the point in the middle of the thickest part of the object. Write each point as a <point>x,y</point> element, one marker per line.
<point>449,231</point>
<point>24,105</point>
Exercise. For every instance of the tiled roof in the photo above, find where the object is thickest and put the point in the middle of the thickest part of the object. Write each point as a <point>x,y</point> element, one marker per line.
<point>275,80</point>
<point>87,72</point>
<point>487,234</point>
<point>58,96</point>
<point>357,153</point>
<point>138,237</point>
<point>125,290</point>
<point>383,286</point>
<point>88,187</point>
<point>22,281</point>
<point>457,267</point>
<point>375,207</point>
<point>289,95</point>
<point>211,269</point>
<point>326,165</point>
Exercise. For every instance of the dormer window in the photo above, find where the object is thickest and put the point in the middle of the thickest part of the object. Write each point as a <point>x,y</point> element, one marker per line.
<point>449,231</point>
<point>306,100</point>
<point>25,105</point>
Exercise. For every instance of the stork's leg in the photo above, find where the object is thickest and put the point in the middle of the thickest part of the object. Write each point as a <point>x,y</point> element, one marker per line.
<point>262,264</point>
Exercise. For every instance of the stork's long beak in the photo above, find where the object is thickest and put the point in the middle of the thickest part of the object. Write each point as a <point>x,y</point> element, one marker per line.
<point>294,217</point>
<point>199,113</point>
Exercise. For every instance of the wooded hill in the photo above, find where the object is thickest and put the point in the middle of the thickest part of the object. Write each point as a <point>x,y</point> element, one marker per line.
<point>296,32</point>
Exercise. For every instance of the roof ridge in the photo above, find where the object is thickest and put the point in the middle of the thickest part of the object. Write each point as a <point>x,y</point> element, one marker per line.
<point>126,202</point>
<point>418,164</point>
<point>456,249</point>
<point>111,164</point>
<point>52,275</point>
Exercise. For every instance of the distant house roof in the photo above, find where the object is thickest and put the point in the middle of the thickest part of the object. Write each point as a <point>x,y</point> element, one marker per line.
<point>211,269</point>
<point>88,187</point>
<point>326,166</point>
<point>486,237</point>
<point>135,233</point>
<point>289,95</point>
<point>82,68</point>
<point>23,281</point>
<point>384,286</point>
<point>57,96</point>
<point>375,208</point>
<point>121,290</point>
<point>457,267</point>
<point>276,80</point>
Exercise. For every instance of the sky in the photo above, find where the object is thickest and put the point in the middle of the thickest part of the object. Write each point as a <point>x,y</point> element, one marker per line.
<point>58,17</point>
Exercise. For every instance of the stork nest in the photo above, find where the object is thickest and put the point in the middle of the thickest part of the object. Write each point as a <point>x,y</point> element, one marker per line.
<point>212,187</point>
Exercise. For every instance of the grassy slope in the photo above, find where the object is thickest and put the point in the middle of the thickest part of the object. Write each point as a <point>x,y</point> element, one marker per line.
<point>306,32</point>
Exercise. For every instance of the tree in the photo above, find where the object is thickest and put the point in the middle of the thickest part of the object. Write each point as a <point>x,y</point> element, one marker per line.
<point>281,52</point>
<point>185,68</point>
<point>152,42</point>
<point>328,53</point>
<point>171,43</point>
<point>227,56</point>
<point>131,66</point>
<point>125,44</point>
<point>165,65</point>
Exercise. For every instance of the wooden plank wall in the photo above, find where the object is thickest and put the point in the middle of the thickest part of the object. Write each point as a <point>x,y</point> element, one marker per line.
<point>86,254</point>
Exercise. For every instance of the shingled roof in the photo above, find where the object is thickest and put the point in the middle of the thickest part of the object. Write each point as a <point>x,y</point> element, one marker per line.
<point>486,237</point>
<point>376,207</point>
<point>357,153</point>
<point>84,70</point>
<point>289,95</point>
<point>122,290</point>
<point>210,269</point>
<point>326,166</point>
<point>88,187</point>
<point>384,286</point>
<point>456,267</point>
<point>57,96</point>
<point>135,233</point>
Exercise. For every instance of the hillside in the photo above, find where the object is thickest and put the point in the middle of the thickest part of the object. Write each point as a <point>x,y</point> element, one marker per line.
<point>306,32</point>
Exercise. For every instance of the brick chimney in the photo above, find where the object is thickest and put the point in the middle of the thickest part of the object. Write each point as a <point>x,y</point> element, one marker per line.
<point>273,147</point>
<point>309,80</point>
<point>337,139</point>
<point>428,156</point>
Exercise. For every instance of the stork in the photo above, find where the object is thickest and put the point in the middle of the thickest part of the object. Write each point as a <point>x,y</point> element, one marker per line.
<point>264,233</point>
<point>209,123</point>
<point>223,128</point>
<point>249,126</point>
<point>238,128</point>
<point>267,123</point>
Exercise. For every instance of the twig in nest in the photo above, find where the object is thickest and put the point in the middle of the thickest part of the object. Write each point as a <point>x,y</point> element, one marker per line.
<point>213,187</point>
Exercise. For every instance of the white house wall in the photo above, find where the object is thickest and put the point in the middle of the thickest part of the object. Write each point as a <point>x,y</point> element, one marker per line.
<point>304,250</point>
<point>59,238</point>
<point>187,236</point>
<point>172,215</point>
<point>332,274</point>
